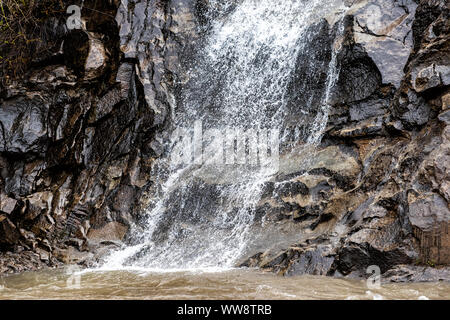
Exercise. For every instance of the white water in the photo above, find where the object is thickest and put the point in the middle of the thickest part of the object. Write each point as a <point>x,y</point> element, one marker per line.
<point>197,219</point>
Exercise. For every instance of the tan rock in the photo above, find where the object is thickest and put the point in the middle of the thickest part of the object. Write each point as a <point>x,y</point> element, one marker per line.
<point>96,59</point>
<point>7,204</point>
<point>111,231</point>
<point>446,102</point>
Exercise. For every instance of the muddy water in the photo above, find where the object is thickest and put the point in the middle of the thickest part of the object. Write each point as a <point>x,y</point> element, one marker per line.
<point>206,284</point>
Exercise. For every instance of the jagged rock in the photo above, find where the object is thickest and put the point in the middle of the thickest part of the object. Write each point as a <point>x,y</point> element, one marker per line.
<point>96,59</point>
<point>72,256</point>
<point>383,28</point>
<point>430,77</point>
<point>23,123</point>
<point>54,76</point>
<point>429,213</point>
<point>407,273</point>
<point>361,129</point>
<point>314,261</point>
<point>368,109</point>
<point>125,78</point>
<point>7,204</point>
<point>446,102</point>
<point>445,117</point>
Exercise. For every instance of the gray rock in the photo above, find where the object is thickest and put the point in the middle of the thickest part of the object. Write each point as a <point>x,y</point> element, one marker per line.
<point>430,77</point>
<point>429,213</point>
<point>383,28</point>
<point>9,234</point>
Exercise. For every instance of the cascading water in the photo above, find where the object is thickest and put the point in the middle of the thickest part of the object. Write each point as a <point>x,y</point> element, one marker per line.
<point>240,81</point>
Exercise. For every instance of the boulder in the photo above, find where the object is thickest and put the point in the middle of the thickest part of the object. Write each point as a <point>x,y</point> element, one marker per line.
<point>24,125</point>
<point>96,59</point>
<point>7,204</point>
<point>383,29</point>
<point>433,76</point>
<point>429,212</point>
<point>111,231</point>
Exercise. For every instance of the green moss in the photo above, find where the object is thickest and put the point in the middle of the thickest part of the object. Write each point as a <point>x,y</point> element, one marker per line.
<point>431,263</point>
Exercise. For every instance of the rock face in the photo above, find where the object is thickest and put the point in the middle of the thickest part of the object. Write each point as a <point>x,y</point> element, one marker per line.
<point>80,131</point>
<point>74,135</point>
<point>393,208</point>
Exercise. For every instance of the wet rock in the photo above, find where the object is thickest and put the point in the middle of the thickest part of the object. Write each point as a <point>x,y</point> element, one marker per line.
<point>291,189</point>
<point>445,117</point>
<point>357,257</point>
<point>359,76</point>
<point>43,255</point>
<point>367,109</point>
<point>445,101</point>
<point>53,75</point>
<point>43,226</point>
<point>29,238</point>
<point>23,123</point>
<point>316,261</point>
<point>383,28</point>
<point>361,129</point>
<point>72,256</point>
<point>105,105</point>
<point>79,132</point>
<point>308,82</point>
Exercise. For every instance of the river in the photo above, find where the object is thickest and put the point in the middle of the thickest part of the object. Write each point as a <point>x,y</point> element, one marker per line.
<point>204,284</point>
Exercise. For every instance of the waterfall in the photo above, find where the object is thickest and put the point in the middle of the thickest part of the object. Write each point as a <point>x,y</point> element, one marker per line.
<point>227,134</point>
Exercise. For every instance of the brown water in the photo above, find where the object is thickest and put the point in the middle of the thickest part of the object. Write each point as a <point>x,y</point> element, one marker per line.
<point>231,284</point>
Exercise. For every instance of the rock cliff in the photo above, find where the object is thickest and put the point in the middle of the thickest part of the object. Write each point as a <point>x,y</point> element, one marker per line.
<point>81,127</point>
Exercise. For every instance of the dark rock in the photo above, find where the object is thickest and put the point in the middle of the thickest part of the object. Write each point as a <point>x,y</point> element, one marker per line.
<point>23,123</point>
<point>359,77</point>
<point>111,231</point>
<point>291,189</point>
<point>316,262</point>
<point>431,77</point>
